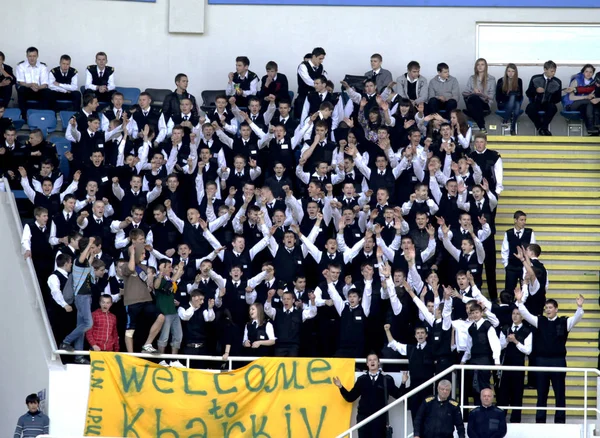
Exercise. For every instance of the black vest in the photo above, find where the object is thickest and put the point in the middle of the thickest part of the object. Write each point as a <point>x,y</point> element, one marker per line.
<point>511,354</point>
<point>40,247</point>
<point>486,211</point>
<point>195,328</point>
<point>304,89</point>
<point>63,228</point>
<point>420,363</point>
<point>440,340</point>
<point>386,180</point>
<point>352,327</point>
<point>551,337</point>
<point>150,119</point>
<point>164,236</point>
<point>472,265</point>
<point>58,75</point>
<point>514,242</point>
<point>287,327</point>
<point>51,203</point>
<point>235,301</point>
<point>288,265</point>
<point>481,345</point>
<point>258,334</point>
<point>97,80</point>
<point>486,161</point>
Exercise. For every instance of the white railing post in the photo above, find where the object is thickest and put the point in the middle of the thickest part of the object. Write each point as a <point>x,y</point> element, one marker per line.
<point>585,403</point>
<point>597,427</point>
<point>406,418</point>
<point>462,388</point>
<point>454,385</point>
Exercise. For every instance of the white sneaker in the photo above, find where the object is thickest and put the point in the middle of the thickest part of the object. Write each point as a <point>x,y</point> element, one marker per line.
<point>163,363</point>
<point>148,348</point>
<point>176,364</point>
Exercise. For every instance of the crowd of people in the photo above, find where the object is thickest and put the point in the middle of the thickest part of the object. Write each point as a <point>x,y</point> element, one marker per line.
<point>334,225</point>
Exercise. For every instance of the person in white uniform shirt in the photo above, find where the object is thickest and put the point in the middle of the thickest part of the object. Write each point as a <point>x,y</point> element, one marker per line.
<point>32,78</point>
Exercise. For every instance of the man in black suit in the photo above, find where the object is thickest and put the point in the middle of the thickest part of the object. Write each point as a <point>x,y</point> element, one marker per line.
<point>172,101</point>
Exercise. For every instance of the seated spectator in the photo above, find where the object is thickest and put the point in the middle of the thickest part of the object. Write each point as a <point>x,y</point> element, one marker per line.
<point>171,102</point>
<point>222,116</point>
<point>243,83</point>
<point>62,81</point>
<point>479,93</point>
<point>100,78</point>
<point>581,97</point>
<point>411,85</point>
<point>444,92</point>
<point>103,335</point>
<point>5,122</point>
<point>32,78</point>
<point>7,81</point>
<point>114,112</point>
<point>12,156</point>
<point>544,93</point>
<point>487,420</point>
<point>90,105</point>
<point>83,144</point>
<point>148,115</point>
<point>273,84</point>
<point>379,75</point>
<point>509,96</point>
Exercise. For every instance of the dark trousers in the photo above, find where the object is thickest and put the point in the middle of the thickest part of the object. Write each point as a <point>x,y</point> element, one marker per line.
<point>104,97</point>
<point>435,105</point>
<point>286,350</point>
<point>198,350</point>
<point>26,95</point>
<point>415,401</point>
<point>489,245</point>
<point>74,97</point>
<point>351,352</point>
<point>6,94</point>
<point>513,274</point>
<point>443,363</point>
<point>476,107</point>
<point>588,111</point>
<point>510,392</point>
<point>298,106</point>
<point>374,429</point>
<point>541,121</point>
<point>543,387</point>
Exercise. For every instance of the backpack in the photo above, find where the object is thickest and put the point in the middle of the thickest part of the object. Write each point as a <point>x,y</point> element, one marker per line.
<point>69,292</point>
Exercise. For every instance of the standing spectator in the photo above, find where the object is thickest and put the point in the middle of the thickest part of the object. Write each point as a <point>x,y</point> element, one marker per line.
<point>479,93</point>
<point>103,336</point>
<point>258,333</point>
<point>83,280</point>
<point>439,416</point>
<point>35,243</point>
<point>166,286</point>
<point>309,70</point>
<point>444,91</point>
<point>34,422</point>
<point>196,330</point>
<point>273,84</point>
<point>551,351</point>
<point>7,81</point>
<point>172,101</point>
<point>487,420</point>
<point>544,94</point>
<point>32,77</point>
<point>516,343</point>
<point>61,315</point>
<point>373,388</point>
<point>379,75</point>
<point>519,236</point>
<point>100,78</point>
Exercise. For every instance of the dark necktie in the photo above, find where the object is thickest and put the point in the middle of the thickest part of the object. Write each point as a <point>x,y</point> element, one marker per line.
<point>99,221</point>
<point>479,205</point>
<point>518,234</point>
<point>253,118</point>
<point>515,328</point>
<point>238,174</point>
<point>145,113</point>
<point>42,229</point>
<point>186,117</point>
<point>373,378</point>
<point>68,216</point>
<point>100,74</point>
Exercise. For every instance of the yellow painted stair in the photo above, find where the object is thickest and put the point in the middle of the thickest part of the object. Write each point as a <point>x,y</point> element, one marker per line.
<point>556,181</point>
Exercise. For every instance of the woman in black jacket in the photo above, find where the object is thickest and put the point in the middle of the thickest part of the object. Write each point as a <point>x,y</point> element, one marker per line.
<point>509,96</point>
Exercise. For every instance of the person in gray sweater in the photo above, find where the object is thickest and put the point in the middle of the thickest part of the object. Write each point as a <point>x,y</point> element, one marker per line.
<point>382,77</point>
<point>479,93</point>
<point>411,85</point>
<point>444,92</point>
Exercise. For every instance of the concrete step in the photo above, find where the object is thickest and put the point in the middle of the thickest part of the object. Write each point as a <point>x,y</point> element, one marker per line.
<point>564,141</point>
<point>519,164</point>
<point>513,198</point>
<point>507,220</point>
<point>547,183</point>
<point>560,278</point>
<point>552,174</point>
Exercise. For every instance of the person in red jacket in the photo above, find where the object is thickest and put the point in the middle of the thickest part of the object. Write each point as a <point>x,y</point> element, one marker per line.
<point>103,335</point>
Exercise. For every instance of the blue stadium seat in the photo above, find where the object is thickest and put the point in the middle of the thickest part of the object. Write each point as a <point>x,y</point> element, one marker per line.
<point>63,145</point>
<point>574,122</point>
<point>42,119</point>
<point>65,116</point>
<point>15,115</point>
<point>130,95</point>
<point>291,94</point>
<point>19,194</point>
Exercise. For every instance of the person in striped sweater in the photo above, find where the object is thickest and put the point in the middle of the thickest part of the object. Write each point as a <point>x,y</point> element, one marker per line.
<point>34,422</point>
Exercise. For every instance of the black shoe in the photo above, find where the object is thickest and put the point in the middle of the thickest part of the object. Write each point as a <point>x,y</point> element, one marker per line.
<point>82,360</point>
<point>592,132</point>
<point>541,132</point>
<point>513,131</point>
<point>547,133</point>
<point>66,347</point>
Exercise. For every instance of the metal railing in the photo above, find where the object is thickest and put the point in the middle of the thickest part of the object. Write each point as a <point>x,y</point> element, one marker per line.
<point>38,298</point>
<point>586,372</point>
<point>190,357</point>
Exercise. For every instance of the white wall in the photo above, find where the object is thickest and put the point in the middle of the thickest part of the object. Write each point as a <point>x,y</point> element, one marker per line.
<point>135,36</point>
<point>25,351</point>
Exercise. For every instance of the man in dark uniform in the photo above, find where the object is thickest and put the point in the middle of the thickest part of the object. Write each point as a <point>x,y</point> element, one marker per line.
<point>100,79</point>
<point>487,420</point>
<point>433,419</point>
<point>371,388</point>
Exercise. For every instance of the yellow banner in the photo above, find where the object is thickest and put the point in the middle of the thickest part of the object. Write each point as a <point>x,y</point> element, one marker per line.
<point>268,398</point>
